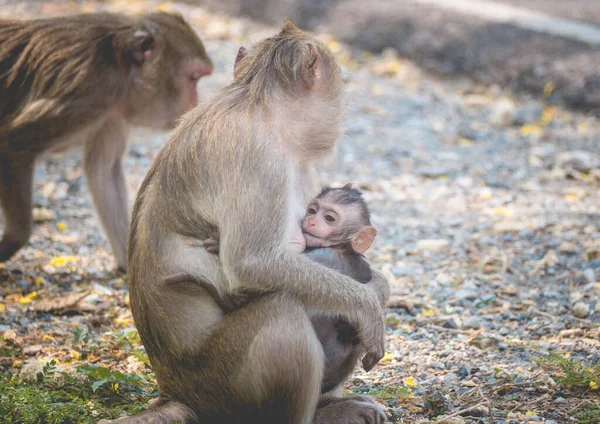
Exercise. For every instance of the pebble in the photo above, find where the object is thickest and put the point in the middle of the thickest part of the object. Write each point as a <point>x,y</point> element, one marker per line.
<point>463,372</point>
<point>581,310</point>
<point>502,113</point>
<point>590,275</point>
<point>43,215</point>
<point>472,322</point>
<point>550,422</point>
<point>503,331</point>
<point>528,114</point>
<point>484,342</point>
<point>431,245</point>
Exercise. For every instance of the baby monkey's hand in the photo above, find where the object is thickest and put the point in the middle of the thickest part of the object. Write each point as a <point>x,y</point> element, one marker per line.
<point>212,243</point>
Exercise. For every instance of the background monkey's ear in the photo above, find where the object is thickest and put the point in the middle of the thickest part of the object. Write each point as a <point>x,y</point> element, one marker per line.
<point>363,239</point>
<point>240,55</point>
<point>143,46</point>
<point>310,66</point>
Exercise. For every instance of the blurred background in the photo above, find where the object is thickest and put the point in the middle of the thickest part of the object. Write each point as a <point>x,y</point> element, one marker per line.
<point>473,129</point>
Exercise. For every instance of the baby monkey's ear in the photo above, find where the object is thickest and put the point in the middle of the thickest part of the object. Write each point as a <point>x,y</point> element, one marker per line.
<point>362,240</point>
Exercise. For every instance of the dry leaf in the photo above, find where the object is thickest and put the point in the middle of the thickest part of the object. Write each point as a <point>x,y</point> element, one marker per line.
<point>59,303</point>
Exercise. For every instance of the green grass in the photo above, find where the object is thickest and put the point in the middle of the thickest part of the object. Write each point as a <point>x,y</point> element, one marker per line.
<point>590,414</point>
<point>572,373</point>
<point>93,393</point>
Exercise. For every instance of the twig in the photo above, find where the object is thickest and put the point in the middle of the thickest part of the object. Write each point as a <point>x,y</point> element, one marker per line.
<point>544,314</point>
<point>452,330</point>
<point>463,411</point>
<point>555,317</point>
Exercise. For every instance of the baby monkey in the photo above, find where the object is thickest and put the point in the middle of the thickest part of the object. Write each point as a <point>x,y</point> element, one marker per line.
<point>335,232</point>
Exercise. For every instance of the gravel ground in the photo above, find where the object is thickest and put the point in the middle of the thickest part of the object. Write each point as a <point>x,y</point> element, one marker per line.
<point>487,212</point>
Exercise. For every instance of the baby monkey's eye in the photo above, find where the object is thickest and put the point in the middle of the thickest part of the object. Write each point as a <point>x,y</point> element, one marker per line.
<point>311,211</point>
<point>329,218</point>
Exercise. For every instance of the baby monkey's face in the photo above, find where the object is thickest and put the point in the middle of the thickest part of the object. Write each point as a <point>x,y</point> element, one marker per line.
<point>323,221</point>
<point>336,217</point>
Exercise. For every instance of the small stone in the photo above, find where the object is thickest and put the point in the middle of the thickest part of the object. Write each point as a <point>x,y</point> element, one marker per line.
<point>567,247</point>
<point>590,275</point>
<point>32,349</point>
<point>43,215</point>
<point>472,322</point>
<point>597,308</point>
<point>528,114</point>
<point>560,400</point>
<point>581,310</point>
<point>432,245</point>
<point>463,372</point>
<point>579,160</point>
<point>550,422</point>
<point>502,113</point>
<point>451,323</point>
<point>10,337</point>
<point>484,342</point>
<point>504,331</point>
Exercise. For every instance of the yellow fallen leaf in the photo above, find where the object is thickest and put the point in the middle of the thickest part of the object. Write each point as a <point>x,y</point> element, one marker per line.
<point>75,355</point>
<point>47,337</point>
<point>548,115</point>
<point>410,381</point>
<point>27,299</point>
<point>123,321</point>
<point>61,226</point>
<point>594,385</point>
<point>406,328</point>
<point>530,129</point>
<point>503,211</point>
<point>567,354</point>
<point>465,142</point>
<point>61,261</point>
<point>387,357</point>
<point>531,413</point>
<point>1,265</point>
<point>427,312</point>
<point>549,88</point>
<point>39,281</point>
<point>2,307</point>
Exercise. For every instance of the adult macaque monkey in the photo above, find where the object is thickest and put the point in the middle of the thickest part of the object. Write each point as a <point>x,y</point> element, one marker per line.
<point>84,80</point>
<point>242,165</point>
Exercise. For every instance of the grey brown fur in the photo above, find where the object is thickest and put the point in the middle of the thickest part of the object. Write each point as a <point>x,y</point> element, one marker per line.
<point>85,80</point>
<point>251,148</point>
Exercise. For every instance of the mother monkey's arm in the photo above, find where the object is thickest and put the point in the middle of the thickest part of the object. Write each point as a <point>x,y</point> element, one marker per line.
<point>254,253</point>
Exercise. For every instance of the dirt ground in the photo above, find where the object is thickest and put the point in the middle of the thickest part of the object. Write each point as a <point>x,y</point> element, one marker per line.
<point>488,216</point>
